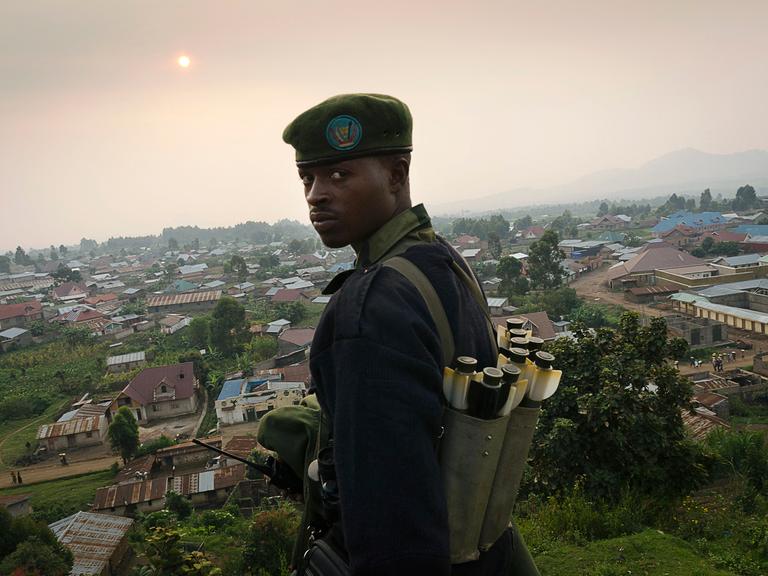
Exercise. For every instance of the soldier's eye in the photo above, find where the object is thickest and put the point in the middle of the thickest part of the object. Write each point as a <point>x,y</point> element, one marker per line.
<point>306,179</point>
<point>338,174</point>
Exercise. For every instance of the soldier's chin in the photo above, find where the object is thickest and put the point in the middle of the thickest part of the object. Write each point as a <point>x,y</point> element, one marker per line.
<point>333,240</point>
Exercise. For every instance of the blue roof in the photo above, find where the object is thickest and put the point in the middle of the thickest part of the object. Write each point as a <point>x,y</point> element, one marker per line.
<point>692,219</point>
<point>252,384</point>
<point>752,229</point>
<point>230,389</point>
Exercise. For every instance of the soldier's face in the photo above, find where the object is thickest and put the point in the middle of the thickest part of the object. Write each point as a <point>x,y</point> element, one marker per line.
<point>348,201</point>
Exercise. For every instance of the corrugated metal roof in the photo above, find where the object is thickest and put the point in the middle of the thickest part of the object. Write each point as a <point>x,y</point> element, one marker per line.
<point>184,298</point>
<point>125,494</point>
<point>126,358</point>
<point>92,538</point>
<point>74,426</point>
<point>742,313</point>
<point>13,333</point>
<point>208,480</point>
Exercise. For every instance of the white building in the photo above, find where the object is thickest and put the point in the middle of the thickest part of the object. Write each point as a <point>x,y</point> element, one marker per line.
<point>246,399</point>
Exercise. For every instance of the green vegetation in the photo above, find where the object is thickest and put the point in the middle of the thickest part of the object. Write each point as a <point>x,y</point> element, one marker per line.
<point>649,553</point>
<point>28,546</point>
<point>55,499</point>
<point>123,433</point>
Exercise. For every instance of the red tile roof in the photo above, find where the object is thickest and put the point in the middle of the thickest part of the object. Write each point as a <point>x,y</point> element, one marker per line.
<point>26,309</point>
<point>180,377</point>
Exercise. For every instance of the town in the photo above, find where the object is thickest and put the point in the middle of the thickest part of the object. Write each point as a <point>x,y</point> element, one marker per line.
<point>115,355</point>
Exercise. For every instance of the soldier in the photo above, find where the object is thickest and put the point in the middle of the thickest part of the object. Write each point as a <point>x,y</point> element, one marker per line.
<point>376,359</point>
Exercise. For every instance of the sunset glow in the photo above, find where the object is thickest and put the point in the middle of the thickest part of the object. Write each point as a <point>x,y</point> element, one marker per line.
<point>184,61</point>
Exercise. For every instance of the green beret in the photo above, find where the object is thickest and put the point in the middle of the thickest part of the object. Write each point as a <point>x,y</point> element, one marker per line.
<point>350,126</point>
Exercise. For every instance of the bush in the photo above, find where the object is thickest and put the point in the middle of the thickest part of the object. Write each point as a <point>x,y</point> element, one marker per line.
<point>269,540</point>
<point>21,408</point>
<point>178,504</point>
<point>153,446</point>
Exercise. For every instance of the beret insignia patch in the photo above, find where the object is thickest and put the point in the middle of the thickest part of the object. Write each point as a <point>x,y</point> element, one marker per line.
<point>344,132</point>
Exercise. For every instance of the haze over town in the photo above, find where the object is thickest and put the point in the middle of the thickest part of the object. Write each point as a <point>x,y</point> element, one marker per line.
<point>104,134</point>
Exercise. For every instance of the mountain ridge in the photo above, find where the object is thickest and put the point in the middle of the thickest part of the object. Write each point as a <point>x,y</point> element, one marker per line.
<point>685,171</point>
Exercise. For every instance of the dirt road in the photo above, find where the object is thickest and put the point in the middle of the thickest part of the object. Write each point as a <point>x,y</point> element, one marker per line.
<point>52,470</point>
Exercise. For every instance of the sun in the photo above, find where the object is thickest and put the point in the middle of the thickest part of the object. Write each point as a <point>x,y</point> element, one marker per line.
<point>184,61</point>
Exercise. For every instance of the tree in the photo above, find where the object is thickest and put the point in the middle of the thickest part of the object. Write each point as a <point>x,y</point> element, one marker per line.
<point>54,255</point>
<point>746,198</point>
<point>269,261</point>
<point>5,264</point>
<point>615,423</point>
<point>690,204</point>
<point>63,250</point>
<point>178,504</point>
<point>199,332</point>
<point>269,540</point>
<point>65,274</point>
<point>604,208</point>
<point>293,311</point>
<point>590,315</point>
<point>523,223</point>
<point>705,200</point>
<point>87,245</point>
<point>510,271</point>
<point>544,258</point>
<point>239,267</point>
<point>494,245</point>
<point>173,244</point>
<point>21,258</point>
<point>227,325</point>
<point>26,543</point>
<point>123,433</point>
<point>162,547</point>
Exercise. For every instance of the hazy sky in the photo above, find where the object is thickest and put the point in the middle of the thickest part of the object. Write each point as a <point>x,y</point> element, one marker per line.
<point>103,134</point>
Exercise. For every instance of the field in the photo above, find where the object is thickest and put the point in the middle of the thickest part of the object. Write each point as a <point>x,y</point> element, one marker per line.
<point>56,499</point>
<point>14,434</point>
<point>649,553</point>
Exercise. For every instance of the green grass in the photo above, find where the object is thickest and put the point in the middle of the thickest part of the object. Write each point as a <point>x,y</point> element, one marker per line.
<point>15,446</point>
<point>649,553</point>
<point>55,499</point>
<point>314,311</point>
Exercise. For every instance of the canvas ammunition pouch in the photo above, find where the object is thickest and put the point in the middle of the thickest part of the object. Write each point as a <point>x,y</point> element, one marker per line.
<point>481,461</point>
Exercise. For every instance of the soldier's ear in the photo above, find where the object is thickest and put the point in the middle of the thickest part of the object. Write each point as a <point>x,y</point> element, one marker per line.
<point>399,168</point>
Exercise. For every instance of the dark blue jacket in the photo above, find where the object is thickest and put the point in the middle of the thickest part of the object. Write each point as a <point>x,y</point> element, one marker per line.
<point>376,365</point>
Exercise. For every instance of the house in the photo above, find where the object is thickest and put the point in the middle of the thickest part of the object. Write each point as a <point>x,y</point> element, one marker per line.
<point>495,305</point>
<point>681,236</point>
<point>289,295</point>
<point>609,222</point>
<point>98,542</point>
<point>173,323</point>
<point>531,233</point>
<point>12,315</point>
<point>247,399</point>
<point>16,504</point>
<point>294,339</point>
<point>13,338</point>
<point>732,264</point>
<point>70,291</point>
<point>471,254</point>
<point>193,269</point>
<point>187,453</point>
<point>133,294</point>
<point>126,362</point>
<point>209,487</point>
<point>538,323</point>
<point>697,220</point>
<point>465,240</point>
<point>188,301</point>
<point>160,392</point>
<point>74,433</point>
<point>277,326</point>
<point>639,269</point>
<point>182,285</point>
<point>100,299</point>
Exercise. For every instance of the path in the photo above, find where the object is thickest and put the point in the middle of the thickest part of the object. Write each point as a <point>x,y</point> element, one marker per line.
<point>52,470</point>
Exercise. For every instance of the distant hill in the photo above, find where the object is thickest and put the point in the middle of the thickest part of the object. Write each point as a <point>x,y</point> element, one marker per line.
<point>686,171</point>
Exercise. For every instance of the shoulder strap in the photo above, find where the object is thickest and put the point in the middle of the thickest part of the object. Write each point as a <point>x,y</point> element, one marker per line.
<point>436,310</point>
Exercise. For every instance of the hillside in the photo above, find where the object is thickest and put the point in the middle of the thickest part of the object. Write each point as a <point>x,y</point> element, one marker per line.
<point>686,171</point>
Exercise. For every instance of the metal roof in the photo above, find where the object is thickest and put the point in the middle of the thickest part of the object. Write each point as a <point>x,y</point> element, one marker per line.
<point>230,389</point>
<point>184,298</point>
<point>92,538</point>
<point>742,260</point>
<point>13,333</point>
<point>496,302</point>
<point>127,358</point>
<point>216,479</point>
<point>125,494</point>
<point>742,313</point>
<point>74,426</point>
